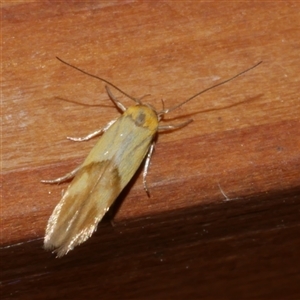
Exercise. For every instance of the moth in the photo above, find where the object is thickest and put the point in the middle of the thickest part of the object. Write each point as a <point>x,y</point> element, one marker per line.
<point>125,144</point>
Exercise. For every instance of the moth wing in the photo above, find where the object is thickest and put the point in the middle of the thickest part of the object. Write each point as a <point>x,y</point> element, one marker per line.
<point>74,219</point>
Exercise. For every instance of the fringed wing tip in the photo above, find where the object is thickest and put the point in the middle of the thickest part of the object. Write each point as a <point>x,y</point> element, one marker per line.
<point>59,251</point>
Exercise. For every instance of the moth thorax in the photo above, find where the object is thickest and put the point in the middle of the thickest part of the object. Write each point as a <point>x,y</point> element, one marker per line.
<point>143,116</point>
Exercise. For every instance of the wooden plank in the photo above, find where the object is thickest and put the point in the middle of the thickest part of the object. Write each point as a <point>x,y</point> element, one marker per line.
<point>223,217</point>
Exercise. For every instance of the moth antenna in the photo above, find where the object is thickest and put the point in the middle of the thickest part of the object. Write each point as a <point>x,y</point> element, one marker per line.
<point>165,111</point>
<point>100,78</point>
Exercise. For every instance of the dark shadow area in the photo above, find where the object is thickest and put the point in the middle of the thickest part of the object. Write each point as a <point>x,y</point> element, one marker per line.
<point>181,253</point>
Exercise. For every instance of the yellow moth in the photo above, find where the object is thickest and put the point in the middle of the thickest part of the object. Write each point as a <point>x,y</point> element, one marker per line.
<point>125,143</point>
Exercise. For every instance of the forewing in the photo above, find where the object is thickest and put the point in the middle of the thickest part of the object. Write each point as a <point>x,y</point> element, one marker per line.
<point>89,196</point>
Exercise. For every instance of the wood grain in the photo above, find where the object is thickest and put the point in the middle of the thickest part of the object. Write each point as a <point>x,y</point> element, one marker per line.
<point>223,218</point>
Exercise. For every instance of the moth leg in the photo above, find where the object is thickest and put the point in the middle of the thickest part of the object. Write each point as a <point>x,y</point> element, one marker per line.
<point>116,102</point>
<point>147,164</point>
<point>173,127</point>
<point>64,178</point>
<point>91,135</point>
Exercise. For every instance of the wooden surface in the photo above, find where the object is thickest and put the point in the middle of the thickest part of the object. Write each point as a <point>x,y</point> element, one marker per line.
<point>223,218</point>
